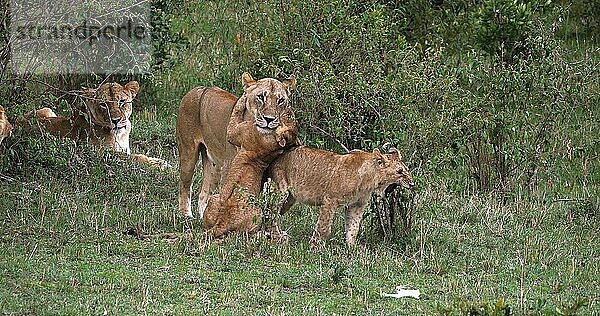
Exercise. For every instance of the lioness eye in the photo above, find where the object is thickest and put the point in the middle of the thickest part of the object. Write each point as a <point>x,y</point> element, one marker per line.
<point>281,101</point>
<point>261,97</point>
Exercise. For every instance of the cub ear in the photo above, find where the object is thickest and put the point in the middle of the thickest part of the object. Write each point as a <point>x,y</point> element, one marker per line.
<point>290,82</point>
<point>247,80</point>
<point>281,140</point>
<point>395,153</point>
<point>132,86</point>
<point>379,157</point>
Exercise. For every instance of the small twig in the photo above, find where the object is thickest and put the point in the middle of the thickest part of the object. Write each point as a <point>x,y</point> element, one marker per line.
<point>330,136</point>
<point>7,178</point>
<point>32,252</point>
<point>568,200</point>
<point>72,92</point>
<point>77,93</point>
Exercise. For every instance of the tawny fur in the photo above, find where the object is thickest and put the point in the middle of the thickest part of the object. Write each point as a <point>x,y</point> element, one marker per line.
<point>5,126</point>
<point>231,209</point>
<point>328,180</point>
<point>103,120</point>
<point>202,122</point>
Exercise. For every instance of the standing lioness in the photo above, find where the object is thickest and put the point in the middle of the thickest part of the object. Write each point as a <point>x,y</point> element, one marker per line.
<point>322,178</point>
<point>202,130</point>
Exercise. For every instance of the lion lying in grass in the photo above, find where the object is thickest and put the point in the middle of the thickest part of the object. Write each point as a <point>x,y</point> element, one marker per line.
<point>328,180</point>
<point>5,127</point>
<point>102,120</point>
<point>232,209</point>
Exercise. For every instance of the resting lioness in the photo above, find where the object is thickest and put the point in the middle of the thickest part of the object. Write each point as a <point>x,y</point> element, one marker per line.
<point>5,127</point>
<point>231,209</point>
<point>322,178</point>
<point>202,123</point>
<point>102,119</point>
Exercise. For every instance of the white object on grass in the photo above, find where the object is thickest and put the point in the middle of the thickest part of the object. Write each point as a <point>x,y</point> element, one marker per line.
<point>402,292</point>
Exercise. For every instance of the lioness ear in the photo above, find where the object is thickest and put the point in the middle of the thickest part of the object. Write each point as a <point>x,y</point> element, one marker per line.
<point>290,82</point>
<point>247,80</point>
<point>132,86</point>
<point>377,152</point>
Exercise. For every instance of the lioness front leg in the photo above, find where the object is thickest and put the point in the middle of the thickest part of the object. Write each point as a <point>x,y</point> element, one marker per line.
<point>354,215</point>
<point>323,228</point>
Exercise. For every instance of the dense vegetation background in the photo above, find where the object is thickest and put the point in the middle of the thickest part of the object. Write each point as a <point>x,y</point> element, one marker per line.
<point>495,105</point>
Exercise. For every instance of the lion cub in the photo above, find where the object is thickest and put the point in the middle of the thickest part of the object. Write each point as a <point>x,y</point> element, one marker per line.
<point>232,209</point>
<point>322,178</point>
<point>5,127</point>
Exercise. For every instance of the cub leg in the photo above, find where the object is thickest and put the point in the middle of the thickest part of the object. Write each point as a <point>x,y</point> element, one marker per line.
<point>210,181</point>
<point>211,215</point>
<point>188,158</point>
<point>251,219</point>
<point>272,222</point>
<point>287,203</point>
<point>323,228</point>
<point>236,218</point>
<point>354,215</point>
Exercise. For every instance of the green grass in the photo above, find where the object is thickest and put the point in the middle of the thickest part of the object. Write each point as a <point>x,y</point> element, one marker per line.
<point>65,250</point>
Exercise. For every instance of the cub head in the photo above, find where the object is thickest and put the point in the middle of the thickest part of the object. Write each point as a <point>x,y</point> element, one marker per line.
<point>391,170</point>
<point>268,101</point>
<point>110,105</point>
<point>5,127</point>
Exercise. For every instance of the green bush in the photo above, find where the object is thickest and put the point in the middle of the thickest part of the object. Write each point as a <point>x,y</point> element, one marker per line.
<point>502,27</point>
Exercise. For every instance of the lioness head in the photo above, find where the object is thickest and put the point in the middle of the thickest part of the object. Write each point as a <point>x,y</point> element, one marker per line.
<point>110,105</point>
<point>391,170</point>
<point>5,127</point>
<point>268,101</point>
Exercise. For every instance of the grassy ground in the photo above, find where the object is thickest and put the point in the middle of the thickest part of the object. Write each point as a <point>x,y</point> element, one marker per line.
<point>100,235</point>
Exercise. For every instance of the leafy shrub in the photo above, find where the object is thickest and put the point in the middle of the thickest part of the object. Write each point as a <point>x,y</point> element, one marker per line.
<point>502,27</point>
